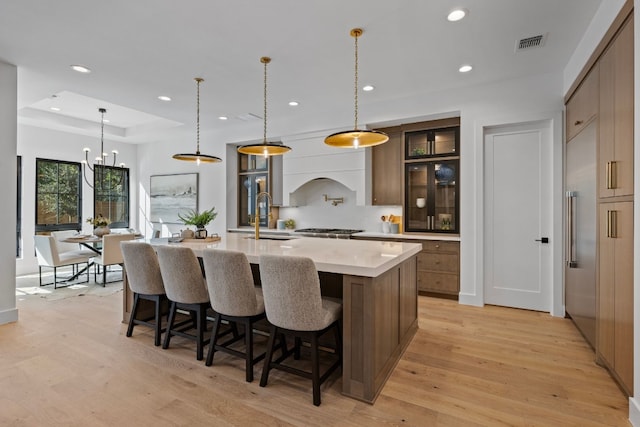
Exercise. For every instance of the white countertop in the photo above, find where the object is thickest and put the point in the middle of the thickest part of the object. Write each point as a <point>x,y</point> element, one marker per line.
<point>343,256</point>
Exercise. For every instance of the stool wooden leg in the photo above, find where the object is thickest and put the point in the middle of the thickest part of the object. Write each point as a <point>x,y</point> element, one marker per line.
<point>200,327</point>
<point>248,332</point>
<point>267,360</point>
<point>315,369</point>
<point>214,340</point>
<point>172,316</point>
<point>132,317</point>
<point>158,316</point>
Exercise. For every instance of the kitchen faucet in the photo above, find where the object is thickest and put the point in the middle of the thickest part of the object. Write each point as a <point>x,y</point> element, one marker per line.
<point>257,216</point>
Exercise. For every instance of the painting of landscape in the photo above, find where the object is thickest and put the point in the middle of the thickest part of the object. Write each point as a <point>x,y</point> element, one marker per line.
<point>171,195</point>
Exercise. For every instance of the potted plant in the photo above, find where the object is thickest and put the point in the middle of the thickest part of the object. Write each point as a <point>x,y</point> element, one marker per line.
<point>199,219</point>
<point>100,224</point>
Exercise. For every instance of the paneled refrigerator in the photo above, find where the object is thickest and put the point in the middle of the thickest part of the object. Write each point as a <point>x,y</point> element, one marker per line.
<point>580,231</point>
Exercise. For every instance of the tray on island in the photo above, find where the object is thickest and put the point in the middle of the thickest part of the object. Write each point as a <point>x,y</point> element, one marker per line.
<point>207,239</point>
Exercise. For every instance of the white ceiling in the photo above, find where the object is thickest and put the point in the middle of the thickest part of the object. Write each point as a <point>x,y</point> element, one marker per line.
<point>140,49</point>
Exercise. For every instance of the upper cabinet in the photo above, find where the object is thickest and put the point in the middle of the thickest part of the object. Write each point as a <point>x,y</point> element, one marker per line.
<point>386,169</point>
<point>583,105</point>
<point>615,164</point>
<point>432,143</point>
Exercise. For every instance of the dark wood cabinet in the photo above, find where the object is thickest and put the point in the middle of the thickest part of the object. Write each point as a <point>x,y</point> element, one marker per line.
<point>386,169</point>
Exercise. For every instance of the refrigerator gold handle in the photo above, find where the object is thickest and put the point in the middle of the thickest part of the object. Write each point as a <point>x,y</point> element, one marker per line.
<point>572,262</point>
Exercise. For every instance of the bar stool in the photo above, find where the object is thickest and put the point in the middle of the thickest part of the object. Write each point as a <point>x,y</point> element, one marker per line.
<point>294,306</point>
<point>145,280</point>
<point>186,290</point>
<point>234,298</point>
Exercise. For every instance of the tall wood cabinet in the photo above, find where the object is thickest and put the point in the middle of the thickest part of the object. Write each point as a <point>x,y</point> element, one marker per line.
<point>616,116</point>
<point>615,196</point>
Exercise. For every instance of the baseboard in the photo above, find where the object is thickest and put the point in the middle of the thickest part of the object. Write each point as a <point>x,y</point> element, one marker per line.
<point>470,299</point>
<point>8,316</point>
<point>634,412</point>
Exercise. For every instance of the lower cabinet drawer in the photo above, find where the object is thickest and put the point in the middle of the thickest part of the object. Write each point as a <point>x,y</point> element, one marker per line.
<point>438,282</point>
<point>438,262</point>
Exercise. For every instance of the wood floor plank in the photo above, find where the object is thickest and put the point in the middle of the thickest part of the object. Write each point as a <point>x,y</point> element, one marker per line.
<point>68,363</point>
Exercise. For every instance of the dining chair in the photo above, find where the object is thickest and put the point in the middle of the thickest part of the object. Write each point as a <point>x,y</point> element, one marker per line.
<point>70,248</point>
<point>186,289</point>
<point>111,254</point>
<point>295,307</point>
<point>235,299</point>
<point>145,281</point>
<point>48,256</point>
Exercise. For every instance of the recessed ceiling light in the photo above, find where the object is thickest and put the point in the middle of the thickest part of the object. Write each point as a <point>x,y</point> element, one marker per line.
<point>107,121</point>
<point>465,68</point>
<point>368,88</point>
<point>55,109</point>
<point>164,98</point>
<point>456,15</point>
<point>223,118</point>
<point>80,68</point>
<point>294,103</point>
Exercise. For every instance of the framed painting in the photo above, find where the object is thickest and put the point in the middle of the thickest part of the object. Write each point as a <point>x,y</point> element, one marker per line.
<point>171,195</point>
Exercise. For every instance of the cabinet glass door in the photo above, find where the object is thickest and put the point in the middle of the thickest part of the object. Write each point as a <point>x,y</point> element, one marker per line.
<point>431,199</point>
<point>432,142</point>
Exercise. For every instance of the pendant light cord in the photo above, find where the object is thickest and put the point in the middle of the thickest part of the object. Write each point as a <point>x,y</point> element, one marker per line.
<point>265,60</point>
<point>102,156</point>
<point>198,80</point>
<point>355,89</point>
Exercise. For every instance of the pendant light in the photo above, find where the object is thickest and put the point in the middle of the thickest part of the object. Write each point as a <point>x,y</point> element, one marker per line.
<point>197,156</point>
<point>265,148</point>
<point>356,138</point>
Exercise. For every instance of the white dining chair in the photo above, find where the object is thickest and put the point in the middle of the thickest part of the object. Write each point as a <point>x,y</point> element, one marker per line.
<point>49,256</point>
<point>68,247</point>
<point>111,255</point>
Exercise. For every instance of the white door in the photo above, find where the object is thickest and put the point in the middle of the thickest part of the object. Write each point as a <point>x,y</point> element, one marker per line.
<point>517,216</point>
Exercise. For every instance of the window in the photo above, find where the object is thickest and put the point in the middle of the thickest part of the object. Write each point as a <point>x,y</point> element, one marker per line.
<point>111,194</point>
<point>58,195</point>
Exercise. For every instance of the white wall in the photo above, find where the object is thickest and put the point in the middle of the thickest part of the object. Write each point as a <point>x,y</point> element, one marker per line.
<point>57,145</point>
<point>8,121</point>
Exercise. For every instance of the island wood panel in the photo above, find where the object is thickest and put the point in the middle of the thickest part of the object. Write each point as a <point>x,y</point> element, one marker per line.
<point>380,319</point>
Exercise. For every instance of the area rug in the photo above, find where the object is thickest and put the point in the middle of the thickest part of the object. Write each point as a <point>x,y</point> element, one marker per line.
<point>27,286</point>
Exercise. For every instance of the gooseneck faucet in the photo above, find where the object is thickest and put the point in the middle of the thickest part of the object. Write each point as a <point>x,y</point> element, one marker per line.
<point>257,217</point>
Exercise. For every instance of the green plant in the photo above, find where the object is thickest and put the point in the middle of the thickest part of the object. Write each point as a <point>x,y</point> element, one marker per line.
<point>290,223</point>
<point>199,219</point>
<point>99,221</point>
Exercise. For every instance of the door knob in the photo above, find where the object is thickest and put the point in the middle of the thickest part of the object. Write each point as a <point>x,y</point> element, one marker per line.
<point>543,240</point>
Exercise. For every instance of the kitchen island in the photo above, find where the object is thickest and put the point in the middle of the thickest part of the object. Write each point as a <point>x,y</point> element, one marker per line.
<point>379,291</point>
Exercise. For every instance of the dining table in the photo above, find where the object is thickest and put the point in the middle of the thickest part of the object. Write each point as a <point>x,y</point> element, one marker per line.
<point>377,282</point>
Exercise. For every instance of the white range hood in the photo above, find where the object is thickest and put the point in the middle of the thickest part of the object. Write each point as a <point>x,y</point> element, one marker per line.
<point>311,159</point>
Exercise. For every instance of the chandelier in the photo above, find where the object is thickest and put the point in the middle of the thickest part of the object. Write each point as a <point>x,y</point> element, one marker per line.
<point>356,138</point>
<point>197,156</point>
<point>100,162</point>
<point>265,148</point>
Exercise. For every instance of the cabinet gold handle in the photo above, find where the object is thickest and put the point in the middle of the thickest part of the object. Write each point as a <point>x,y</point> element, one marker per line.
<point>612,175</point>
<point>577,122</point>
<point>612,224</point>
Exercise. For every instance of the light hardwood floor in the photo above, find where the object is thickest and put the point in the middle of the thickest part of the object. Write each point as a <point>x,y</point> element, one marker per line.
<point>68,363</point>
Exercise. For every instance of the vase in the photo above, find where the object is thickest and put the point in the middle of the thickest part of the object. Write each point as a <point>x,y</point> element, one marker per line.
<point>201,233</point>
<point>101,231</point>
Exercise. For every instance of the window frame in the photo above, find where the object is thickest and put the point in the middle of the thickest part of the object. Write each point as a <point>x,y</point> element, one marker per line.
<point>125,196</point>
<point>59,226</point>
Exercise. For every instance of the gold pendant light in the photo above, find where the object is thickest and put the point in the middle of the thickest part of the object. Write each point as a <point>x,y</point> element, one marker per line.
<point>197,156</point>
<point>356,138</point>
<point>264,148</point>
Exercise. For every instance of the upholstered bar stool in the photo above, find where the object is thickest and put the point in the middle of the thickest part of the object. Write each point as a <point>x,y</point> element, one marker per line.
<point>294,307</point>
<point>145,280</point>
<point>234,298</point>
<point>186,290</point>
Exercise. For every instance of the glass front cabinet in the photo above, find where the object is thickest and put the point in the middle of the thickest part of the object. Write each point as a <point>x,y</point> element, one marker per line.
<point>431,181</point>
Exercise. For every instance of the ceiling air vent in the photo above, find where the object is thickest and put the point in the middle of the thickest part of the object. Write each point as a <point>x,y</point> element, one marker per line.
<point>530,42</point>
<point>248,117</point>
